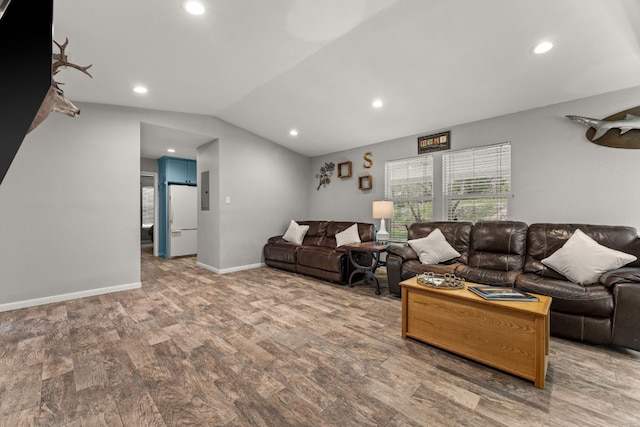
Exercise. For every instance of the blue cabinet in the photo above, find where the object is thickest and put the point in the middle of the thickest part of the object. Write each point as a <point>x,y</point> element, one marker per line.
<point>171,170</point>
<point>191,172</point>
<point>174,170</point>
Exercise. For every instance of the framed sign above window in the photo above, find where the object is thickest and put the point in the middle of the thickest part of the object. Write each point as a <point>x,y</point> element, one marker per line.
<point>435,142</point>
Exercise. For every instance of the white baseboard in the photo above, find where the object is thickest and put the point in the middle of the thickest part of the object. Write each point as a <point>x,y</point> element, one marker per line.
<point>230,270</point>
<point>65,297</point>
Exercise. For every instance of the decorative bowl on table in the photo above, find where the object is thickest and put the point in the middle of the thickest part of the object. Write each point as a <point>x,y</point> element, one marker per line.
<point>440,281</point>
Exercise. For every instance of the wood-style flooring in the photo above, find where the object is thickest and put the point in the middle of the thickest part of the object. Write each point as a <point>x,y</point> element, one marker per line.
<point>264,347</point>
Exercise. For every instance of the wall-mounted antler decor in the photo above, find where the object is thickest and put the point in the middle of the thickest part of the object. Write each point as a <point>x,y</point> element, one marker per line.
<point>54,100</point>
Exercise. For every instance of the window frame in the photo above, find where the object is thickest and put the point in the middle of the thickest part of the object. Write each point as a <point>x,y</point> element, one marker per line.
<point>147,206</point>
<point>502,164</point>
<point>428,173</point>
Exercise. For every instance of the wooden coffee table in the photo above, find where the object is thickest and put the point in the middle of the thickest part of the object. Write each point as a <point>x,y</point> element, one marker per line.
<point>509,335</point>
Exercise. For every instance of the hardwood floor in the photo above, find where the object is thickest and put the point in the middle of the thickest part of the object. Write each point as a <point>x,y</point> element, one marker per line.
<point>268,348</point>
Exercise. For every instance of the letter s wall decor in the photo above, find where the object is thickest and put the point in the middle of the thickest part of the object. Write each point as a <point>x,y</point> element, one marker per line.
<point>367,158</point>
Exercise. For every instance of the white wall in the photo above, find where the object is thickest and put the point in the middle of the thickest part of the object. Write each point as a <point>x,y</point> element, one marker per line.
<point>557,174</point>
<point>70,203</point>
<point>208,159</point>
<point>149,165</point>
<point>267,186</point>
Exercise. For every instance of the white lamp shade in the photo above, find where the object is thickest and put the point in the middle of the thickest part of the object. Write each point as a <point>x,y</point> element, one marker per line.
<point>382,209</point>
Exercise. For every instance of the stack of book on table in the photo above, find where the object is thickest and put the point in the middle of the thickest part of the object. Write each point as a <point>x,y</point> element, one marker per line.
<point>500,293</point>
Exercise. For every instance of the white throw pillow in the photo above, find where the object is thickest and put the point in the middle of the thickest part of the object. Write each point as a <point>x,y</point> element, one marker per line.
<point>434,248</point>
<point>583,260</point>
<point>295,233</point>
<point>348,236</point>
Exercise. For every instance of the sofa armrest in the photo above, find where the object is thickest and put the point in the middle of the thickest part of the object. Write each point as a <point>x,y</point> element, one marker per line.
<point>625,332</point>
<point>405,252</point>
<point>276,239</point>
<point>486,276</point>
<point>620,275</point>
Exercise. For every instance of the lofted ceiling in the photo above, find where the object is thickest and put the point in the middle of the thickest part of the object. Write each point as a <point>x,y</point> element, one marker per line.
<point>316,65</point>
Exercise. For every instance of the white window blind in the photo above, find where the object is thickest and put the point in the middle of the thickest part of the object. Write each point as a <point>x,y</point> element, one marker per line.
<point>148,204</point>
<point>409,184</point>
<point>477,183</point>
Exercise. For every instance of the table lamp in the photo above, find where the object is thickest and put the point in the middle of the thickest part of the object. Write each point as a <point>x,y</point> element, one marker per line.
<point>381,210</point>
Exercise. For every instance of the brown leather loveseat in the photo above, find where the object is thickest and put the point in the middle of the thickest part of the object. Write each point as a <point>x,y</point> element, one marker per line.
<point>318,255</point>
<point>511,253</point>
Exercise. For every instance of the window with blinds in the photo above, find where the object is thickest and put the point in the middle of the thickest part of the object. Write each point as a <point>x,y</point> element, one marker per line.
<point>148,204</point>
<point>477,183</point>
<point>409,184</point>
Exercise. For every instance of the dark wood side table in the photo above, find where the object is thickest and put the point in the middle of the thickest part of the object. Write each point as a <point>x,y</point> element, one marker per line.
<point>365,257</point>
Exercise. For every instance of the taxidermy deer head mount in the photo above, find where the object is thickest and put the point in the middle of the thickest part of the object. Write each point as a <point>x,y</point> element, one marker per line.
<point>54,100</point>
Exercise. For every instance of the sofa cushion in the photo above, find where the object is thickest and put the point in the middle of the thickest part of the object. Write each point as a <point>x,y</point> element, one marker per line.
<point>583,260</point>
<point>568,297</point>
<point>295,233</point>
<point>498,245</point>
<point>316,228</point>
<point>365,230</point>
<point>282,251</point>
<point>317,233</point>
<point>321,258</point>
<point>414,267</point>
<point>434,248</point>
<point>595,330</point>
<point>487,276</point>
<point>348,236</point>
<point>457,234</point>
<point>543,239</point>
<point>497,253</point>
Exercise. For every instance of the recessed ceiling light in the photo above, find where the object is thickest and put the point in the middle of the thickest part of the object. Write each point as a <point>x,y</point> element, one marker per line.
<point>543,47</point>
<point>140,89</point>
<point>377,103</point>
<point>293,132</point>
<point>171,150</point>
<point>194,7</point>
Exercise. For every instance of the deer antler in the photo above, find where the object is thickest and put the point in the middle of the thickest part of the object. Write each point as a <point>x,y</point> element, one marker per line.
<point>54,99</point>
<point>62,61</point>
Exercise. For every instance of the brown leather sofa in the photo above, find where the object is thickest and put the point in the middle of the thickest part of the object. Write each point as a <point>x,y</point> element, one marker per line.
<point>403,263</point>
<point>318,255</point>
<point>496,253</point>
<point>607,312</point>
<point>510,253</point>
<point>491,252</point>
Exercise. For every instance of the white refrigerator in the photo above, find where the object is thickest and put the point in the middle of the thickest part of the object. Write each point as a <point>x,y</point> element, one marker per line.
<point>183,220</point>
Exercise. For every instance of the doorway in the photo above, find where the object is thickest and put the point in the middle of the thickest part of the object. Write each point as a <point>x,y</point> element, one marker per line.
<point>148,212</point>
